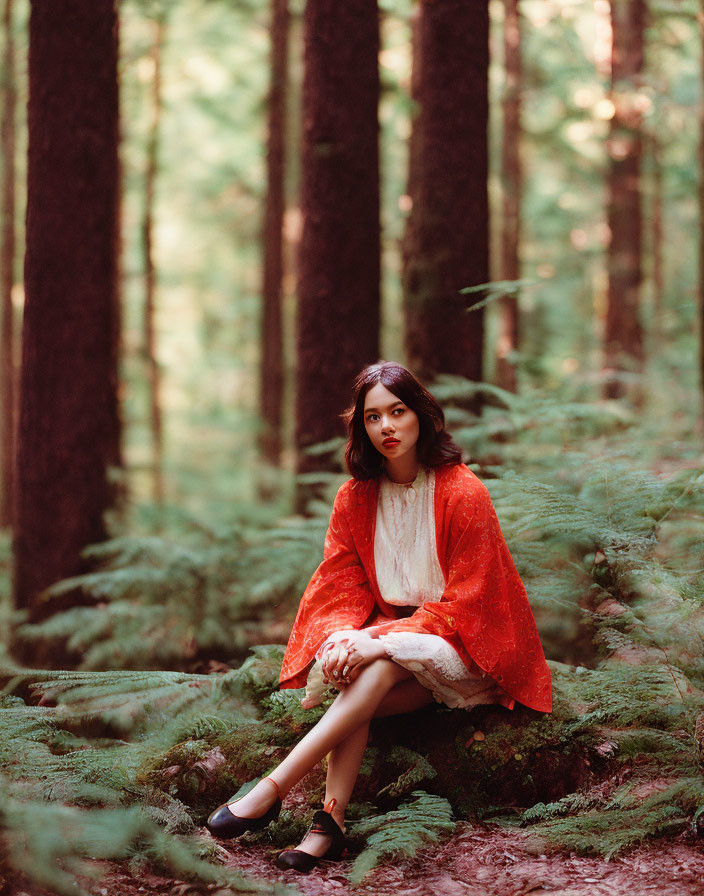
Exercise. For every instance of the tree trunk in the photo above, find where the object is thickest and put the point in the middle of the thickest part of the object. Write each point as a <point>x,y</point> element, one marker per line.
<point>271,376</point>
<point>411,259</point>
<point>68,404</point>
<point>451,191</point>
<point>511,198</point>
<point>150,274</point>
<point>7,254</point>
<point>623,338</point>
<point>339,262</point>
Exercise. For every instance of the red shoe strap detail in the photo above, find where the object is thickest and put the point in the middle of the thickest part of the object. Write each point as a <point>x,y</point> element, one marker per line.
<point>276,786</point>
<point>330,805</point>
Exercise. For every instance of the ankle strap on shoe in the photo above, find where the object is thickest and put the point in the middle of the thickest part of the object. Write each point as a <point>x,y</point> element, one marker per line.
<point>329,806</point>
<point>276,786</point>
<point>324,823</point>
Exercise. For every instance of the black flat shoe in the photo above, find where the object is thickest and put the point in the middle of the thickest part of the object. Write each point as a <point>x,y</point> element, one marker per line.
<point>224,824</point>
<point>323,823</point>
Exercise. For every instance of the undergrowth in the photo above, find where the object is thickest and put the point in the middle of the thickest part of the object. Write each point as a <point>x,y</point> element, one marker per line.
<point>611,554</point>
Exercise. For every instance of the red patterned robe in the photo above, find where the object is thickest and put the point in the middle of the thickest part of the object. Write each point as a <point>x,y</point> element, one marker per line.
<point>483,613</point>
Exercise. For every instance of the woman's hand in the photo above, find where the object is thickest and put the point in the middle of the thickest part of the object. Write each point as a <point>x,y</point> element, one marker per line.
<point>345,656</point>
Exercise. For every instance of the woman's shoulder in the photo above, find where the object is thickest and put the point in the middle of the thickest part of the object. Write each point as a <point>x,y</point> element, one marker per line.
<point>459,481</point>
<point>462,496</point>
<point>355,491</point>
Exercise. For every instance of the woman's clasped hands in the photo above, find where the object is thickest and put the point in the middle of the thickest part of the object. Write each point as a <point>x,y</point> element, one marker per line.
<point>344,655</point>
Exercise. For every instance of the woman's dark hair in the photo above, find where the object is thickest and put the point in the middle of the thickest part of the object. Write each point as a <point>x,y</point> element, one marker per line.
<point>435,445</point>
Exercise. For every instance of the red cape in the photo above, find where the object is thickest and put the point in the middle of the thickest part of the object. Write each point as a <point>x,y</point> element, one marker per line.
<point>484,612</point>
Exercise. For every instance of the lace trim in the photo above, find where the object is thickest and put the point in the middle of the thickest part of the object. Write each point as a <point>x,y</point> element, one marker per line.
<point>438,667</point>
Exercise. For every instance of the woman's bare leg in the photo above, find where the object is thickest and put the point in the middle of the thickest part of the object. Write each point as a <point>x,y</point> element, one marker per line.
<point>344,760</point>
<point>406,696</point>
<point>352,708</point>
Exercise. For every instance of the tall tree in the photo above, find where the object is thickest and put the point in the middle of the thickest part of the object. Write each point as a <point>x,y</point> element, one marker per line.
<point>271,367</point>
<point>339,260</point>
<point>68,423</point>
<point>511,178</point>
<point>411,259</point>
<point>623,336</point>
<point>449,194</point>
<point>150,274</point>
<point>7,262</point>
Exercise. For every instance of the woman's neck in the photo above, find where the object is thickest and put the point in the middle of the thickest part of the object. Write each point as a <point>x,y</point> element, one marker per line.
<point>403,470</point>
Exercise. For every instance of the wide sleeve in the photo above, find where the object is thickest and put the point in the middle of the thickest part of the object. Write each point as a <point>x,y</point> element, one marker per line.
<point>484,604</point>
<point>337,597</point>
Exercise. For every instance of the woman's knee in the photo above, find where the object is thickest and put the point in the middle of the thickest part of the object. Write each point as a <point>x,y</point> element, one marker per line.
<point>384,673</point>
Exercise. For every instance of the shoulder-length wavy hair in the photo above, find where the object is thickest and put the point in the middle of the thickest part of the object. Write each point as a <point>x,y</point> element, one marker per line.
<point>435,444</point>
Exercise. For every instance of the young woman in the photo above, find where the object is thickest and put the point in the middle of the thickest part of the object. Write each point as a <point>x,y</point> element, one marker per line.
<point>417,598</point>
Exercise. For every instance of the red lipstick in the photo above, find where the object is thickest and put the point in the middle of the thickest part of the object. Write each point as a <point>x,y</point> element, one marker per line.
<point>389,442</point>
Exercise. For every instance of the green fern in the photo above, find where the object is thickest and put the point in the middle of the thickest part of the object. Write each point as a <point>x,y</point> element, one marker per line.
<point>161,604</point>
<point>601,832</point>
<point>402,832</point>
<point>54,844</point>
<point>624,820</point>
<point>417,770</point>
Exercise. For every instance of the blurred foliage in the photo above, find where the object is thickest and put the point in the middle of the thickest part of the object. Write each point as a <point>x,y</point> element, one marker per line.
<point>161,602</point>
<point>211,184</point>
<point>70,789</point>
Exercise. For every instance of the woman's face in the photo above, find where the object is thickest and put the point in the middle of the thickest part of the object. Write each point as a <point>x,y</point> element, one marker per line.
<point>392,426</point>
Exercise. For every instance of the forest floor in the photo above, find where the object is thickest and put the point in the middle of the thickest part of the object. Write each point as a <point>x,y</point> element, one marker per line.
<point>477,861</point>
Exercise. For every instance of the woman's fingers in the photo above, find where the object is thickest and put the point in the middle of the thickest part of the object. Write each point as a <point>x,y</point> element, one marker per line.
<point>333,662</point>
<point>354,672</point>
<point>340,668</point>
<point>341,661</point>
<point>352,668</point>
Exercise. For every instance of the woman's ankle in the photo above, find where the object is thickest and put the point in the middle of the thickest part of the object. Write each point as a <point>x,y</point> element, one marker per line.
<point>338,816</point>
<point>275,786</point>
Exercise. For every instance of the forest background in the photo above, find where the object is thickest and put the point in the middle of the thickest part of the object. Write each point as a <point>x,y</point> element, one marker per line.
<point>230,208</point>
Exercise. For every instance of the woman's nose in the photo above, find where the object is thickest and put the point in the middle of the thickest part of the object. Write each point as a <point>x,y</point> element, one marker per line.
<point>387,425</point>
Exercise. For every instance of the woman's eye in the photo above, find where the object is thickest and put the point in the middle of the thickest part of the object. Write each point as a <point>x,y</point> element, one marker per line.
<point>372,418</point>
<point>399,411</point>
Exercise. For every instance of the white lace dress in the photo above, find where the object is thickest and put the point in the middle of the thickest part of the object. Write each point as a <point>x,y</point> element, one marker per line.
<point>409,574</point>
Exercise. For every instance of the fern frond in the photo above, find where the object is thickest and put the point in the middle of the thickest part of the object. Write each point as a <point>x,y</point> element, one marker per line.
<point>417,770</point>
<point>54,845</point>
<point>402,832</point>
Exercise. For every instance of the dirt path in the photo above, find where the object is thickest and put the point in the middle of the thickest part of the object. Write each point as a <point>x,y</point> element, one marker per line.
<point>495,862</point>
<point>477,861</point>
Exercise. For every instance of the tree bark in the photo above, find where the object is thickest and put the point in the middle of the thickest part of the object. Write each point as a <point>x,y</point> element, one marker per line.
<point>150,273</point>
<point>7,253</point>
<point>411,259</point>
<point>68,422</point>
<point>271,375</point>
<point>511,182</point>
<point>339,261</point>
<point>451,191</point>
<point>623,338</point>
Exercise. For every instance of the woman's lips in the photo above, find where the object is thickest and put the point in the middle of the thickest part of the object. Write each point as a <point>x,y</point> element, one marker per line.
<point>388,443</point>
